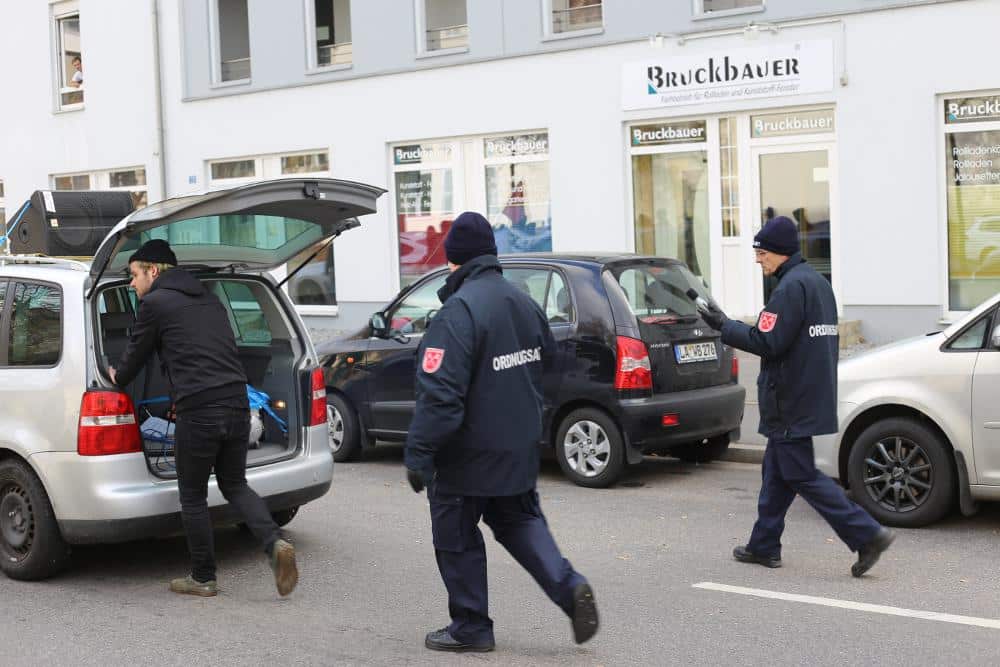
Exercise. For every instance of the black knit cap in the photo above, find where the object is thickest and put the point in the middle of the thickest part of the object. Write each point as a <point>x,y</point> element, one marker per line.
<point>470,236</point>
<point>156,251</point>
<point>778,235</point>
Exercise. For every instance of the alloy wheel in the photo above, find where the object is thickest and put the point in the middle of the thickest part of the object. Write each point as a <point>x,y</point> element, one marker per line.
<point>587,448</point>
<point>898,474</point>
<point>335,427</point>
<point>17,526</point>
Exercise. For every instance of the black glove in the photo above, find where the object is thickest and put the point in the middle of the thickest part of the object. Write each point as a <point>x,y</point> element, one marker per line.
<point>415,479</point>
<point>713,317</point>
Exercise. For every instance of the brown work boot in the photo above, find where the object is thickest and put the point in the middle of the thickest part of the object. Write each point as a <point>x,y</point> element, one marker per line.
<point>286,573</point>
<point>190,586</point>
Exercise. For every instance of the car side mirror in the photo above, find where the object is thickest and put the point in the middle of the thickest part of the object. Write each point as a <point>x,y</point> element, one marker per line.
<point>995,340</point>
<point>380,328</point>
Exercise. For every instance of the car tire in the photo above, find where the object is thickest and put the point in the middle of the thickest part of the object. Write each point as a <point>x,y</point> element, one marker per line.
<point>31,546</point>
<point>604,462</point>
<point>343,427</point>
<point>902,473</point>
<point>702,452</point>
<point>284,517</point>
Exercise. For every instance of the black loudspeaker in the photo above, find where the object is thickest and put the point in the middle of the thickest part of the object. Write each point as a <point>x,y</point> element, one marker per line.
<point>69,224</point>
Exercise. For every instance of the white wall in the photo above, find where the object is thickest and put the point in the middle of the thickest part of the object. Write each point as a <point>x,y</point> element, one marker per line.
<point>115,129</point>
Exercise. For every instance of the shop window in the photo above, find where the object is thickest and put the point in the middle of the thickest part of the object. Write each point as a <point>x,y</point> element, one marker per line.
<point>435,181</point>
<point>69,56</point>
<point>3,220</point>
<point>517,192</point>
<point>972,184</point>
<point>730,177</point>
<point>724,7</point>
<point>443,25</point>
<point>131,180</point>
<point>574,15</point>
<point>35,326</point>
<point>232,40</point>
<point>671,208</point>
<point>332,32</point>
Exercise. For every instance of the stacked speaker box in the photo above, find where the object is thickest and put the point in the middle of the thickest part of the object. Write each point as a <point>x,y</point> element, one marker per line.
<point>68,223</point>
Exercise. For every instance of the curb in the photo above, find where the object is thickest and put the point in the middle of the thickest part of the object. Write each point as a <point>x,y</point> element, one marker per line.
<point>742,453</point>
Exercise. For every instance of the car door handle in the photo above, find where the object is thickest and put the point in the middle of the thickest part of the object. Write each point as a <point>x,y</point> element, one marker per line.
<point>992,425</point>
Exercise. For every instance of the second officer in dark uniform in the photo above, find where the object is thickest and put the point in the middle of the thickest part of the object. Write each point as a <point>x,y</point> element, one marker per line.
<point>473,441</point>
<point>797,339</point>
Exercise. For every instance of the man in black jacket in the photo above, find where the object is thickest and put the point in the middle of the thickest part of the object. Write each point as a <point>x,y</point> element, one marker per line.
<point>189,329</point>
<point>797,339</point>
<point>474,440</point>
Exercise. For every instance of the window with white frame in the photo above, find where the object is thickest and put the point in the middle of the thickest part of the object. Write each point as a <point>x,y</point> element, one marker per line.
<point>442,25</point>
<point>504,176</point>
<point>68,55</point>
<point>724,7</point>
<point>331,21</point>
<point>130,179</point>
<point>231,40</point>
<point>574,15</point>
<point>314,285</point>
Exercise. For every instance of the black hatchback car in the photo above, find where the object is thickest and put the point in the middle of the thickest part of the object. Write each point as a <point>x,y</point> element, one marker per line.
<point>637,370</point>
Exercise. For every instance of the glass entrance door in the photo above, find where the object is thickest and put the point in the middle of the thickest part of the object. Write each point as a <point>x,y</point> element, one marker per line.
<point>670,193</point>
<point>796,184</point>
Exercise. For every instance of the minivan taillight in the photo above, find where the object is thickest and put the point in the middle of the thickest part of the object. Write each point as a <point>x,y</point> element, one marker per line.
<point>634,371</point>
<point>317,415</point>
<point>734,370</point>
<point>107,425</point>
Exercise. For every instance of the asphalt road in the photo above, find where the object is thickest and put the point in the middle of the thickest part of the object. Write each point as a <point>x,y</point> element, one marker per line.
<point>370,589</point>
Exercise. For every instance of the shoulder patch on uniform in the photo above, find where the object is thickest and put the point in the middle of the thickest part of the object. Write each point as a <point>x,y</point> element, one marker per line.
<point>767,321</point>
<point>433,356</point>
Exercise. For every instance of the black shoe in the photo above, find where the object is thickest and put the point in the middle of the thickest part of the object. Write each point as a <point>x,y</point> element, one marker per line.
<point>441,640</point>
<point>584,613</point>
<point>744,555</point>
<point>869,554</point>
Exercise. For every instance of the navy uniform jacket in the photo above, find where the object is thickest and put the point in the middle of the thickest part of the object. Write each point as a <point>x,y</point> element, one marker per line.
<point>478,418</point>
<point>797,340</point>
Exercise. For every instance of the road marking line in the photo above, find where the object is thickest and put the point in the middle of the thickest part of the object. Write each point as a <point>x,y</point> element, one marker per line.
<point>857,606</point>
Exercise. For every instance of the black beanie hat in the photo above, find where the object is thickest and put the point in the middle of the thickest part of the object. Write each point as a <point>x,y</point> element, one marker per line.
<point>156,251</point>
<point>778,235</point>
<point>470,236</point>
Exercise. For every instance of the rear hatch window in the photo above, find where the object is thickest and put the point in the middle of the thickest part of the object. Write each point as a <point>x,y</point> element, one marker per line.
<point>684,352</point>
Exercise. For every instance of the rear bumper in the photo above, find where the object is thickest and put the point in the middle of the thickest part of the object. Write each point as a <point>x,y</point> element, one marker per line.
<point>82,531</point>
<point>115,498</point>
<point>702,413</point>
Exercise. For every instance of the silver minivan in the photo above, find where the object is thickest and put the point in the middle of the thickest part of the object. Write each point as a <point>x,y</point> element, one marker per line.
<point>82,462</point>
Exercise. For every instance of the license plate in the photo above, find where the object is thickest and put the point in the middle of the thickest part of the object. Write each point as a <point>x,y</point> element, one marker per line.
<point>691,352</point>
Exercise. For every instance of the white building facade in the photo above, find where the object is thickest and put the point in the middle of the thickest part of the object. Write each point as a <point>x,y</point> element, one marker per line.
<point>574,126</point>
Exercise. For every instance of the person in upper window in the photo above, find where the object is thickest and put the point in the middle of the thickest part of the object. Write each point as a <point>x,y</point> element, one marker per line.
<point>76,81</point>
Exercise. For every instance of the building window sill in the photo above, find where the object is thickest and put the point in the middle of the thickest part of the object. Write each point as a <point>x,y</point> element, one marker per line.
<point>318,311</point>
<point>442,52</point>
<point>329,68</point>
<point>70,108</point>
<point>230,84</point>
<point>728,12</point>
<point>570,34</point>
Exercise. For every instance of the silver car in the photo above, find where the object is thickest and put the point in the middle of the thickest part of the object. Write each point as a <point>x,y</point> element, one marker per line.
<point>82,462</point>
<point>920,423</point>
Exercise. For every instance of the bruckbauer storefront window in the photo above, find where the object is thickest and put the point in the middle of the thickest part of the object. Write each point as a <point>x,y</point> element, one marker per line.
<point>517,192</point>
<point>972,183</point>
<point>424,206</point>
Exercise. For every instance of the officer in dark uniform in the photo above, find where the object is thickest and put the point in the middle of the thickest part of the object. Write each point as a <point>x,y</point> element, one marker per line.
<point>473,441</point>
<point>797,339</point>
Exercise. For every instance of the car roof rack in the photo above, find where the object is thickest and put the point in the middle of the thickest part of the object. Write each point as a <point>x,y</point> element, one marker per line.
<point>75,263</point>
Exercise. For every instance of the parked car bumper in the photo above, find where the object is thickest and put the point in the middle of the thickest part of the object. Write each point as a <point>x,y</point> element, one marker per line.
<point>115,499</point>
<point>701,413</point>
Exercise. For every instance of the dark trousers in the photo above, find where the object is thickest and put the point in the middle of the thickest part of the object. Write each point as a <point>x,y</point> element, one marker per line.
<point>518,524</point>
<point>207,439</point>
<point>789,469</point>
